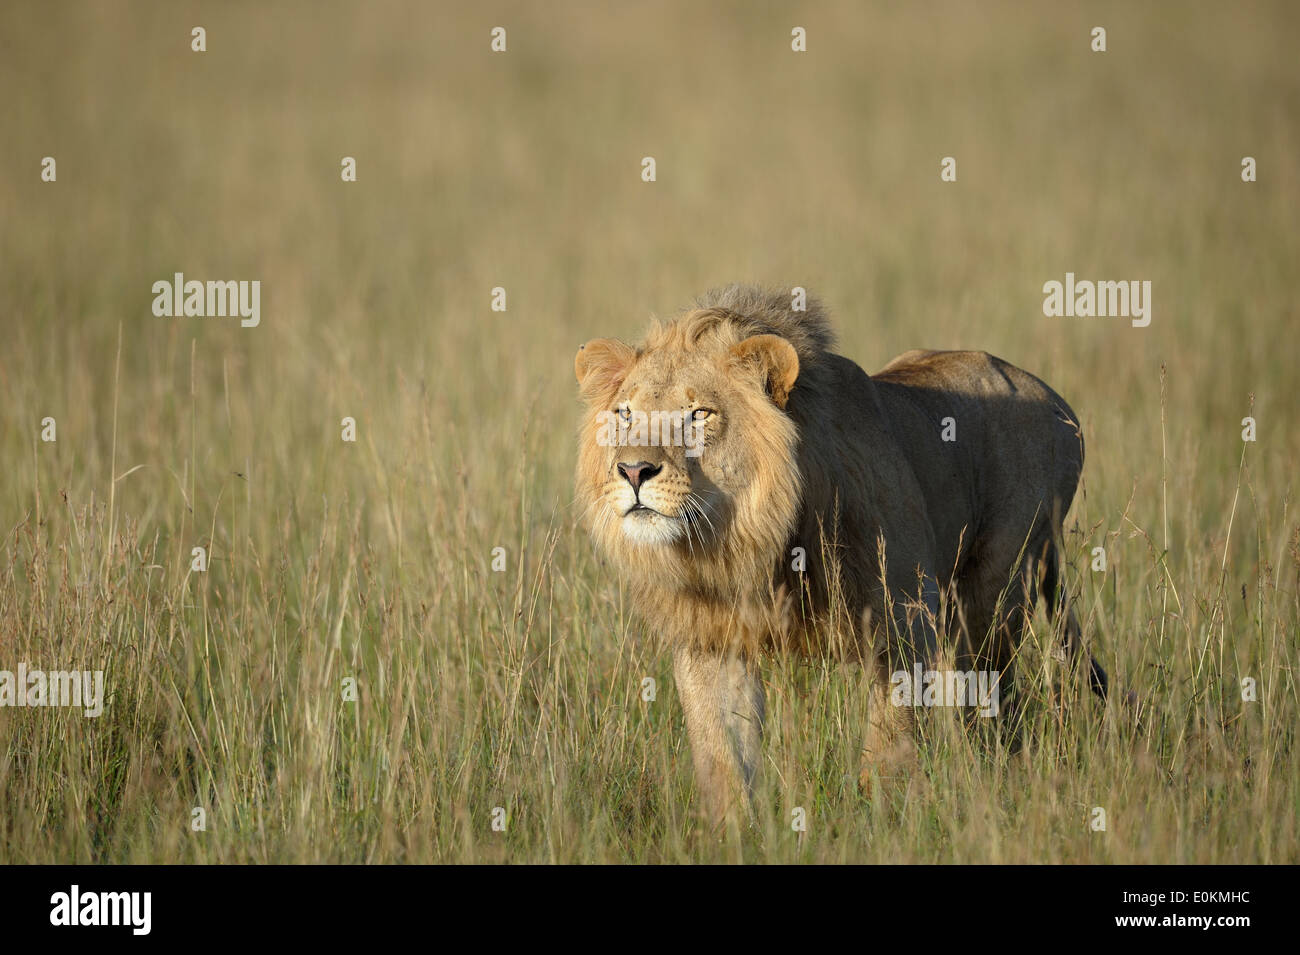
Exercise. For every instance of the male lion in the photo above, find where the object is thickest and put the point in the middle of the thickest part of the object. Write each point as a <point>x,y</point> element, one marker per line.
<point>778,443</point>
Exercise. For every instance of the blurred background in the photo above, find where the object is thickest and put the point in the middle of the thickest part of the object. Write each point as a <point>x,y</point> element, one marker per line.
<point>522,170</point>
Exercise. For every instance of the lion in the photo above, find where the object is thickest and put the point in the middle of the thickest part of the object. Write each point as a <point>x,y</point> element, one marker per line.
<point>786,499</point>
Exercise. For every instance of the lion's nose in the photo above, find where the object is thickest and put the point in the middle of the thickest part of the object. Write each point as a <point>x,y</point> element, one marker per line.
<point>637,474</point>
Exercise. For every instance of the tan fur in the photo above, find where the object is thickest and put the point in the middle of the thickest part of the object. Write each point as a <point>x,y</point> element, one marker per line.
<point>805,450</point>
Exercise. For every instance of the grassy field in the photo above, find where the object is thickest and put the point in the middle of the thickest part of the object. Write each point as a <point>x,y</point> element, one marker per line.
<point>372,560</point>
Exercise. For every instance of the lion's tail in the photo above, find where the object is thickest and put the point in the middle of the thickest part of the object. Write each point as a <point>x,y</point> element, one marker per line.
<point>1071,634</point>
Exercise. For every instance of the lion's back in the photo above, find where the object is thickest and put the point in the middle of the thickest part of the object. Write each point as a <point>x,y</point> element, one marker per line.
<point>973,420</point>
<point>1008,406</point>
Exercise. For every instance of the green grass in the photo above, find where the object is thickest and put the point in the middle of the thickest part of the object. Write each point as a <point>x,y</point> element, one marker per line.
<point>372,560</point>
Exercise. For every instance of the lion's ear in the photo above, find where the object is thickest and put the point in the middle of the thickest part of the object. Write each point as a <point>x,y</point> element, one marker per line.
<point>601,365</point>
<point>777,359</point>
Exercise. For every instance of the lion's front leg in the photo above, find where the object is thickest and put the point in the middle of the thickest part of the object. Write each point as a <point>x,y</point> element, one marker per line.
<point>722,695</point>
<point>889,747</point>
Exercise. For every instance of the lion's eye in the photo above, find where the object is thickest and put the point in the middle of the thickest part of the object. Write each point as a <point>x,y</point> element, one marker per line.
<point>625,413</point>
<point>702,414</point>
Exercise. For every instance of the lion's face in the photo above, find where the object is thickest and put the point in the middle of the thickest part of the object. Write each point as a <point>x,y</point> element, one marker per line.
<point>670,455</point>
<point>685,443</point>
